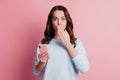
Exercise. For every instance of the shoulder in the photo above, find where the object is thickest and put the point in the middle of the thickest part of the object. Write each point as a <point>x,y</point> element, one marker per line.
<point>78,41</point>
<point>40,41</point>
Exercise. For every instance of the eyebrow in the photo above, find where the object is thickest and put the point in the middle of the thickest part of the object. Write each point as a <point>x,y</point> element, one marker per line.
<point>60,17</point>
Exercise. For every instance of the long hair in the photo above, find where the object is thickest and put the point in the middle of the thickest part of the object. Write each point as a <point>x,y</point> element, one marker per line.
<point>50,32</point>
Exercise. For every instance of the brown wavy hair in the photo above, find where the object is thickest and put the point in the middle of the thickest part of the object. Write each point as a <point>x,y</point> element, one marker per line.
<point>50,32</point>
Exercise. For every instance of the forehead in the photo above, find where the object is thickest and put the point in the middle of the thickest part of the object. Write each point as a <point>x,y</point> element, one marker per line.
<point>58,13</point>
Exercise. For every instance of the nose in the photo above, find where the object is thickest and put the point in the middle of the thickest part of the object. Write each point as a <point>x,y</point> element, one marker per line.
<point>59,22</point>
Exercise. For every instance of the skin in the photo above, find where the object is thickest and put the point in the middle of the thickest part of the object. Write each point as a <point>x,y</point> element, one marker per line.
<point>59,24</point>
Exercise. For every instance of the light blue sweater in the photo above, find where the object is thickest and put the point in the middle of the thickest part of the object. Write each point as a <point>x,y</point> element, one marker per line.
<point>61,66</point>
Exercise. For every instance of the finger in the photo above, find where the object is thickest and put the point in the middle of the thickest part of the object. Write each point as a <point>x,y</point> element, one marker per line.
<point>42,54</point>
<point>44,58</point>
<point>47,55</point>
<point>59,27</point>
<point>61,31</point>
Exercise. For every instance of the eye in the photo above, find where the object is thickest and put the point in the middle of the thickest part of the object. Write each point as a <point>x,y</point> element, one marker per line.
<point>63,18</point>
<point>54,19</point>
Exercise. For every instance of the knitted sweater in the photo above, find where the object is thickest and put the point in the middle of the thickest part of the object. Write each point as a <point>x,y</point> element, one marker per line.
<point>61,66</point>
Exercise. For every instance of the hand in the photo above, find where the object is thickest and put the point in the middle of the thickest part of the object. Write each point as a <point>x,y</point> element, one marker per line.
<point>63,35</point>
<point>43,56</point>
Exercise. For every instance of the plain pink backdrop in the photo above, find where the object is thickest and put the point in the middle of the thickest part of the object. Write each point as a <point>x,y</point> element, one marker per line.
<point>96,23</point>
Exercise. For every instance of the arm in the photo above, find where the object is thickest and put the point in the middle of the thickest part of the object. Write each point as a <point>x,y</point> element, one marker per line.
<point>71,50</point>
<point>36,62</point>
<point>78,56</point>
<point>39,64</point>
<point>80,60</point>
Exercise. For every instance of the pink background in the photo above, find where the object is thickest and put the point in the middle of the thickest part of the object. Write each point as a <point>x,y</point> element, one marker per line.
<point>96,22</point>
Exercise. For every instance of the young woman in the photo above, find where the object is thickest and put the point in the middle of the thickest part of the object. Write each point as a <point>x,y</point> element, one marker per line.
<point>65,55</point>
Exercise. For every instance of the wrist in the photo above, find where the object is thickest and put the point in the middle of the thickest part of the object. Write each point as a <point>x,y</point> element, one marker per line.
<point>42,61</point>
<point>68,44</point>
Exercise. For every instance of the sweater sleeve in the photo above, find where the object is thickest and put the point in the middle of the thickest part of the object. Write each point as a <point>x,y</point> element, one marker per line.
<point>36,61</point>
<point>80,61</point>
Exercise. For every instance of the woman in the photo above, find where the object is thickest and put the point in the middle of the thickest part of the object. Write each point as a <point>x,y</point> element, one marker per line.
<point>66,55</point>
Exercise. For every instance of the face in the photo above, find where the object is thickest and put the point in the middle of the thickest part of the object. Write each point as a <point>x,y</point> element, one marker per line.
<point>59,19</point>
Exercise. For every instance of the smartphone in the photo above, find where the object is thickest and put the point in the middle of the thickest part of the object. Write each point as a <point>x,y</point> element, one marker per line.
<point>43,47</point>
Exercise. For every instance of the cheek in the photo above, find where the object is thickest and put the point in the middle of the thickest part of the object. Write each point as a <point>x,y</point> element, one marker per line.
<point>65,24</point>
<point>54,24</point>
